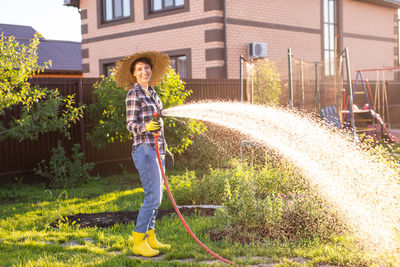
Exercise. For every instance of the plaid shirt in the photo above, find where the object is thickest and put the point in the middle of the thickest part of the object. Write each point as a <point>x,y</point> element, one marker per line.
<point>139,111</point>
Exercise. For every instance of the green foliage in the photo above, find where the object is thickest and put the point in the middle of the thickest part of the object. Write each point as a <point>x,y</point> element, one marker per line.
<point>171,90</point>
<point>271,202</point>
<point>188,189</point>
<point>279,216</point>
<point>108,110</point>
<point>30,111</point>
<point>275,203</point>
<point>266,82</point>
<point>214,148</point>
<point>62,171</point>
<point>179,133</point>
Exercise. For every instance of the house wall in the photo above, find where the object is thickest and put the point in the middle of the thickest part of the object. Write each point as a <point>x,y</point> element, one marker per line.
<point>367,30</point>
<point>280,24</point>
<point>167,33</point>
<point>370,33</point>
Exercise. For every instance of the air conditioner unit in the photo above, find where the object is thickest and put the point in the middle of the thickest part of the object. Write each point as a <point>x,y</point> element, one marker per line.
<point>257,49</point>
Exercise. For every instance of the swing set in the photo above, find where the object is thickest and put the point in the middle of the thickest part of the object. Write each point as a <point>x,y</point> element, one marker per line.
<point>374,117</point>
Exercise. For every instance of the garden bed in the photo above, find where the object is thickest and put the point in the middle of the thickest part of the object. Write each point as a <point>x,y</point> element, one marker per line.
<point>108,219</point>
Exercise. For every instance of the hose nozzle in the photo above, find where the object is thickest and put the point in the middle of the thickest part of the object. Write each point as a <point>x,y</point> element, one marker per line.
<point>156,117</point>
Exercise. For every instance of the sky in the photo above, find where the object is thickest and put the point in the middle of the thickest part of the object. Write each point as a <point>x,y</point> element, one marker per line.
<point>50,18</point>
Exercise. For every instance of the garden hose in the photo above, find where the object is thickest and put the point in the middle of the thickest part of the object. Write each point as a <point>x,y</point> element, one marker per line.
<point>156,134</point>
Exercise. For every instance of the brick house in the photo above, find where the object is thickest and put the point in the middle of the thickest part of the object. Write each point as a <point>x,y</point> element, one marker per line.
<point>65,55</point>
<point>205,38</point>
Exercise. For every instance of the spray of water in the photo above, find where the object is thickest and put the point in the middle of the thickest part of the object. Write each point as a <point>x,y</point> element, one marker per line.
<point>363,187</point>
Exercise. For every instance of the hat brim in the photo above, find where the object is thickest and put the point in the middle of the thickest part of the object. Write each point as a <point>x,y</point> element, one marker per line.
<point>122,71</point>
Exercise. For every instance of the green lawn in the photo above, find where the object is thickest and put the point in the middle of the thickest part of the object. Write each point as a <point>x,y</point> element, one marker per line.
<point>27,237</point>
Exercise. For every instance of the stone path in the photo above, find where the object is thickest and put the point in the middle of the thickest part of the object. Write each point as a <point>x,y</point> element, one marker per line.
<point>265,262</point>
<point>261,261</point>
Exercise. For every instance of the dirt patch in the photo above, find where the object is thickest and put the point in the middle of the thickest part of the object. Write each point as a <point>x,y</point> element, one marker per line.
<point>108,219</point>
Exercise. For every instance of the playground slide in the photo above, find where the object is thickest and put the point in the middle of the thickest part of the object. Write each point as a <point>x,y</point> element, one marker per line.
<point>382,123</point>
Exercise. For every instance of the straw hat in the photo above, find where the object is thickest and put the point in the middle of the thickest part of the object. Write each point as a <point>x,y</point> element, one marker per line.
<point>122,71</point>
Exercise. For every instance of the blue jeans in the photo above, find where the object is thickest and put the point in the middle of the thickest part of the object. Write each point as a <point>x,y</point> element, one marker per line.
<point>145,159</point>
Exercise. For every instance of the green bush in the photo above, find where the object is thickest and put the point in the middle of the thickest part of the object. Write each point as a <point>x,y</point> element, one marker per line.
<point>214,148</point>
<point>266,82</point>
<point>271,201</point>
<point>62,171</point>
<point>276,203</point>
<point>108,110</point>
<point>279,216</point>
<point>189,189</point>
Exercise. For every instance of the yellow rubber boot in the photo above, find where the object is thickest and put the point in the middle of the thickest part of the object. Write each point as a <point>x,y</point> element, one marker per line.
<point>140,246</point>
<point>153,242</point>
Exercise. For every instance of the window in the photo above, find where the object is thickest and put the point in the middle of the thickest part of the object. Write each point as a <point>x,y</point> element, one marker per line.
<point>116,9</point>
<point>161,5</point>
<point>178,63</point>
<point>330,30</point>
<point>107,69</point>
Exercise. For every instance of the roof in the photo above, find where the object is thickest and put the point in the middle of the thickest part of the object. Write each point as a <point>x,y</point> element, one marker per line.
<point>20,32</point>
<point>74,3</point>
<point>388,3</point>
<point>65,55</point>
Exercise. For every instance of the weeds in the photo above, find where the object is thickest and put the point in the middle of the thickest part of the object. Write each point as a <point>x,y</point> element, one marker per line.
<point>62,171</point>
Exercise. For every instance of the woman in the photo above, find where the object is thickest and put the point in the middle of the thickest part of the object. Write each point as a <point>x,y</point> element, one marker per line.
<point>138,73</point>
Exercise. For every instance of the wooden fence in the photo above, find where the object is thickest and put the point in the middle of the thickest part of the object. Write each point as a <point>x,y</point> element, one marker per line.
<point>20,158</point>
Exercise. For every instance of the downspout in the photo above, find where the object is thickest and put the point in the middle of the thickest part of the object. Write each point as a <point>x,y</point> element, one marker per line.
<point>398,42</point>
<point>225,45</point>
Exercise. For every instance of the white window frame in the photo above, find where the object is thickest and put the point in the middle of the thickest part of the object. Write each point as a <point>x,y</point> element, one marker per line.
<point>329,35</point>
<point>163,5</point>
<point>110,10</point>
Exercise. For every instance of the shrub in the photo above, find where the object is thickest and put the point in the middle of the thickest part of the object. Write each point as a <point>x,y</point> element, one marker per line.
<point>62,171</point>
<point>207,189</point>
<point>266,82</point>
<point>275,204</point>
<point>271,201</point>
<point>213,148</point>
<point>108,110</point>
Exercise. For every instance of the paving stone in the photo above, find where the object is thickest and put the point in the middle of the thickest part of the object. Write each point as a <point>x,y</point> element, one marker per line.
<point>156,258</point>
<point>185,260</point>
<point>70,243</point>
<point>213,262</point>
<point>264,265</point>
<point>260,258</point>
<point>299,260</point>
<point>117,252</point>
<point>89,240</point>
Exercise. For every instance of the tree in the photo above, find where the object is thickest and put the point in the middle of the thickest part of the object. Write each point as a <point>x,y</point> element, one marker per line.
<point>27,111</point>
<point>266,82</point>
<point>108,111</point>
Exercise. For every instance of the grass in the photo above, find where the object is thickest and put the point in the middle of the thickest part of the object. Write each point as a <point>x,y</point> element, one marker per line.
<point>27,237</point>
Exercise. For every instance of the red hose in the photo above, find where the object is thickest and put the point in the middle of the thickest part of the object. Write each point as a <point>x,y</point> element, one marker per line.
<point>177,210</point>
